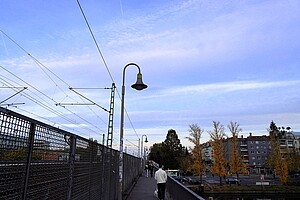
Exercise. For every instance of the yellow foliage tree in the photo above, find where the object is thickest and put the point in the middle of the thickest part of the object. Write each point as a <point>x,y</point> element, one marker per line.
<point>197,165</point>
<point>217,136</point>
<point>276,160</point>
<point>282,170</point>
<point>236,163</point>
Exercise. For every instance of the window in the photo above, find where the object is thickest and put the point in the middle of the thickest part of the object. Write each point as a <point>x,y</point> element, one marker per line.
<point>257,142</point>
<point>253,158</point>
<point>252,152</point>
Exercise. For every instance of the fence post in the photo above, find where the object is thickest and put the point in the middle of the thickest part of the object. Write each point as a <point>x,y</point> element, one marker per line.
<point>29,156</point>
<point>72,143</point>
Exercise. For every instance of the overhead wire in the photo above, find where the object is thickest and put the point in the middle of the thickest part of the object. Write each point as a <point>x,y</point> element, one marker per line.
<point>132,143</point>
<point>103,59</point>
<point>42,104</point>
<point>53,122</point>
<point>9,85</point>
<point>42,67</point>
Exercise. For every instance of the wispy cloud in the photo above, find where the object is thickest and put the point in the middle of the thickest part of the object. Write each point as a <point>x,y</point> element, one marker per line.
<point>229,36</point>
<point>202,60</point>
<point>228,87</point>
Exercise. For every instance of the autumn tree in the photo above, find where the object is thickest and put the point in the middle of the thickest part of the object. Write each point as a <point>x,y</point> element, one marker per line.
<point>236,163</point>
<point>217,136</point>
<point>276,159</point>
<point>197,165</point>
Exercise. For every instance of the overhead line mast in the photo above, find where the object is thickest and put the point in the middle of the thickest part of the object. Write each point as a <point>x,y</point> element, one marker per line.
<point>110,111</point>
<point>111,117</point>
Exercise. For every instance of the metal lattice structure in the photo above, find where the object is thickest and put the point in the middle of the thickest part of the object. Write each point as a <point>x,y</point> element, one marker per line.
<point>111,116</point>
<point>38,161</point>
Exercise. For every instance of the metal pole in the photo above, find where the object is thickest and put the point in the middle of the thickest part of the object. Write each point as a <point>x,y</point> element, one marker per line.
<point>139,141</point>
<point>29,157</point>
<point>71,165</point>
<point>145,152</point>
<point>121,142</point>
<point>103,139</point>
<point>120,196</point>
<point>142,148</point>
<point>142,145</point>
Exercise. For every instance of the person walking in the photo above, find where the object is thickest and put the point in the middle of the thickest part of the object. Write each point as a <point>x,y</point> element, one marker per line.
<point>151,168</point>
<point>161,179</point>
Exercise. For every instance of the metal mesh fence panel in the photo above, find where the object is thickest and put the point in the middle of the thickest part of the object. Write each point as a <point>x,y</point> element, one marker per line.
<point>48,166</point>
<point>132,169</point>
<point>38,161</point>
<point>13,155</point>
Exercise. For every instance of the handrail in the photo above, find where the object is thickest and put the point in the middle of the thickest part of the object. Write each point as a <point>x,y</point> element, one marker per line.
<point>178,191</point>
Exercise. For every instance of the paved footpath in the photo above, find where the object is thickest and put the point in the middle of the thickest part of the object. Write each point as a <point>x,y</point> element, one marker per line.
<point>144,189</point>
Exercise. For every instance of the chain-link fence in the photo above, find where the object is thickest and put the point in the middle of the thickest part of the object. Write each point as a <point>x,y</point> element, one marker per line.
<point>38,161</point>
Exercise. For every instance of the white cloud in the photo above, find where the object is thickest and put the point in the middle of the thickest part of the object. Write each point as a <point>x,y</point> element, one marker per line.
<point>193,48</point>
<point>226,87</point>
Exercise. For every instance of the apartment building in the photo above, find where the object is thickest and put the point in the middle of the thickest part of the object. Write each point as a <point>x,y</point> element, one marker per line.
<point>290,142</point>
<point>259,148</point>
<point>255,150</point>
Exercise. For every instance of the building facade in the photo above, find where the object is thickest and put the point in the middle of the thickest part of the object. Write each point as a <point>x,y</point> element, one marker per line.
<point>255,150</point>
<point>259,148</point>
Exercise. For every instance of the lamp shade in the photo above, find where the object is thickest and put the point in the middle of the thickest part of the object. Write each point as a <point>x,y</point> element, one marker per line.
<point>139,85</point>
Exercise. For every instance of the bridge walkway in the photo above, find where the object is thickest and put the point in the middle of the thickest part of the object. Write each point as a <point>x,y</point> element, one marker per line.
<point>143,189</point>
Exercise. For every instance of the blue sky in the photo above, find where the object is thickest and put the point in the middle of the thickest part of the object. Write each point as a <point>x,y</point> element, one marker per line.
<point>203,61</point>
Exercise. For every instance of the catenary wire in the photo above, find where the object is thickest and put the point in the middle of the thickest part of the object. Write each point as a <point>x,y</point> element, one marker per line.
<point>39,64</point>
<point>42,67</point>
<point>41,103</point>
<point>102,57</point>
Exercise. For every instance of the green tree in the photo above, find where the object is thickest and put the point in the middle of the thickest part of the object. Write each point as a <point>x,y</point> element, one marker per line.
<point>197,165</point>
<point>156,153</point>
<point>173,150</point>
<point>185,161</point>
<point>217,136</point>
<point>170,153</point>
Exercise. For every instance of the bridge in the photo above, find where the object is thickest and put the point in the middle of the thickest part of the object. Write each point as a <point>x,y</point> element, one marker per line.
<point>39,161</point>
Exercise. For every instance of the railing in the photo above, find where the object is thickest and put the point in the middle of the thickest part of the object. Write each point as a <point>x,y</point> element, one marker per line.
<point>38,161</point>
<point>178,191</point>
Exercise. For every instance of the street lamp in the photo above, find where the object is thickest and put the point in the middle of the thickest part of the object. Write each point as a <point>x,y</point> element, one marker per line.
<point>145,152</point>
<point>139,85</point>
<point>139,147</point>
<point>146,140</point>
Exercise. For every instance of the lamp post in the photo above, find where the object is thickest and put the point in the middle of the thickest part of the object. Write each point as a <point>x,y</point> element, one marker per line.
<point>139,147</point>
<point>139,85</point>
<point>146,140</point>
<point>145,152</point>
